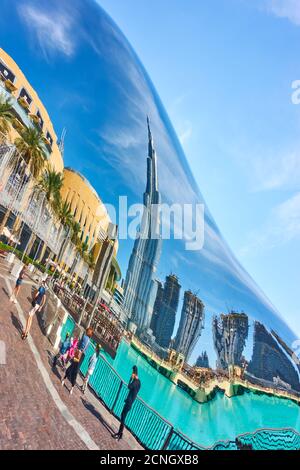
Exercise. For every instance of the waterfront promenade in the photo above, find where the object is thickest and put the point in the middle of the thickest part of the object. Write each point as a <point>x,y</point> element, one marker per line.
<point>36,412</point>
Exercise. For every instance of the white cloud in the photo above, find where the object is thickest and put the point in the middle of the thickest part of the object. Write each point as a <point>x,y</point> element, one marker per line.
<point>186,133</point>
<point>265,166</point>
<point>289,9</point>
<point>52,29</point>
<point>288,215</point>
<point>281,227</point>
<point>182,126</point>
<point>277,171</point>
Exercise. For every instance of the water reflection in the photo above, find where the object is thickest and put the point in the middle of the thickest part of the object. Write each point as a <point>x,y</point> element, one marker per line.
<point>175,300</point>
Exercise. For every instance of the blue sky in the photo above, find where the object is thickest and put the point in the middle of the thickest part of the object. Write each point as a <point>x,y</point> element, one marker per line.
<point>223,70</point>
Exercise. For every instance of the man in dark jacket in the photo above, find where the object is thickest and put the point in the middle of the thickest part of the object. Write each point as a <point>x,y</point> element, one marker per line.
<point>134,387</point>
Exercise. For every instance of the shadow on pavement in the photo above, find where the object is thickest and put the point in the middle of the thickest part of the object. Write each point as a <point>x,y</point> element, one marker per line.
<point>5,292</point>
<point>16,322</point>
<point>97,415</point>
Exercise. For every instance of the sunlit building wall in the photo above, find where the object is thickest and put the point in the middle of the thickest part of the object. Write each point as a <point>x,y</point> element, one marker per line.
<point>28,108</point>
<point>86,207</point>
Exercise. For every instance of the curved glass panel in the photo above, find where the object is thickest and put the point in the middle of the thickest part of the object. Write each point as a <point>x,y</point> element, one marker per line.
<point>187,301</point>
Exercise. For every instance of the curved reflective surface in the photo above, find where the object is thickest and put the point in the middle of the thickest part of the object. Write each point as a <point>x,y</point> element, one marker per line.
<point>180,295</point>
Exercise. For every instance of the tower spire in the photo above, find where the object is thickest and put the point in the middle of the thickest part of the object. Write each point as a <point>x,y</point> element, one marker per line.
<point>150,139</point>
<point>149,129</point>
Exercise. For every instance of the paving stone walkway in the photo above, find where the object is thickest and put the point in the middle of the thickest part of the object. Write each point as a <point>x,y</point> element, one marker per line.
<point>36,412</point>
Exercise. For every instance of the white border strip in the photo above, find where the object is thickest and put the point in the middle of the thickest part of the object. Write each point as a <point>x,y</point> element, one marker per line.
<point>78,428</point>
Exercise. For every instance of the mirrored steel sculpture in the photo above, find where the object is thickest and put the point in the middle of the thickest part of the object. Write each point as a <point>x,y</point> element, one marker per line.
<point>192,310</point>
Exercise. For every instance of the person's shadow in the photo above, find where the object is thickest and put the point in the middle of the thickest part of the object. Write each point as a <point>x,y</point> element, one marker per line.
<point>16,323</point>
<point>54,369</point>
<point>97,415</point>
<point>5,291</point>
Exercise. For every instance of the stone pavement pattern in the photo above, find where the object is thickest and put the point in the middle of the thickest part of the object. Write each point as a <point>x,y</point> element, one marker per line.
<point>29,418</point>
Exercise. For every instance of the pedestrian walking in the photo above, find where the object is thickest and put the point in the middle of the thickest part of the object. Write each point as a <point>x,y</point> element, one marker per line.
<point>37,305</point>
<point>84,342</point>
<point>91,367</point>
<point>134,388</point>
<point>19,281</point>
<point>64,348</point>
<point>73,369</point>
<point>70,353</point>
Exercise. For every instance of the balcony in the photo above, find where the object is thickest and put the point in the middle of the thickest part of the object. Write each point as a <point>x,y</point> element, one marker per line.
<point>48,144</point>
<point>22,117</point>
<point>18,125</point>
<point>6,73</point>
<point>24,103</point>
<point>37,121</point>
<point>10,86</point>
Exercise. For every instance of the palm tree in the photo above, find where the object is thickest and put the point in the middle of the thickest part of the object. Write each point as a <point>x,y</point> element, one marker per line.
<point>91,260</point>
<point>30,148</point>
<point>83,248</point>
<point>65,214</point>
<point>76,229</point>
<point>66,218</point>
<point>6,117</point>
<point>30,144</point>
<point>48,186</point>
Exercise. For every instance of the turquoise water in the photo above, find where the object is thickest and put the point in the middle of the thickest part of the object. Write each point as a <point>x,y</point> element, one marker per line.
<point>220,419</point>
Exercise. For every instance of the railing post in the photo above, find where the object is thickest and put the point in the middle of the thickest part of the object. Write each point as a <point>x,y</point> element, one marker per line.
<point>117,396</point>
<point>168,439</point>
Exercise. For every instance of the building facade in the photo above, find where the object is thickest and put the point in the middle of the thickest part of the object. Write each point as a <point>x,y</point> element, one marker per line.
<point>157,306</point>
<point>25,208</point>
<point>190,326</point>
<point>28,108</point>
<point>140,285</point>
<point>271,362</point>
<point>229,335</point>
<point>86,207</point>
<point>167,310</point>
<point>202,360</point>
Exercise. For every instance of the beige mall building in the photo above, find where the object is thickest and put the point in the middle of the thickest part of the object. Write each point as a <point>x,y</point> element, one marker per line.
<point>86,205</point>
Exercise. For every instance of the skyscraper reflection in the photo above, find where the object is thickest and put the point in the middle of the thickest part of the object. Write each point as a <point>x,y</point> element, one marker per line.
<point>140,285</point>
<point>191,324</point>
<point>270,363</point>
<point>229,335</point>
<point>167,301</point>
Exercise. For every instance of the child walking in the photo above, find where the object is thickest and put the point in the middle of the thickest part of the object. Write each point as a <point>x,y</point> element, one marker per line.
<point>64,348</point>
<point>19,281</point>
<point>91,368</point>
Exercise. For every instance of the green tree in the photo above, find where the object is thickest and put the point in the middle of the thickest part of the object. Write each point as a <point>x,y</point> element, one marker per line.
<point>6,117</point>
<point>76,229</point>
<point>50,184</point>
<point>48,187</point>
<point>66,218</point>
<point>30,144</point>
<point>65,214</point>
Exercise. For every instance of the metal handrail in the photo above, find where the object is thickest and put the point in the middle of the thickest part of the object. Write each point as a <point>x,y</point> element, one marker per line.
<point>163,433</point>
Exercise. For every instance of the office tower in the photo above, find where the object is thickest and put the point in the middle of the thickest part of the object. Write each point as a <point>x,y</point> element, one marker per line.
<point>191,324</point>
<point>140,285</point>
<point>229,335</point>
<point>202,360</point>
<point>167,311</point>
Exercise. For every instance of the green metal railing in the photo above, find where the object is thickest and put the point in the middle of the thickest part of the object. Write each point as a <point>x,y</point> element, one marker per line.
<point>271,439</point>
<point>154,432</point>
<point>68,327</point>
